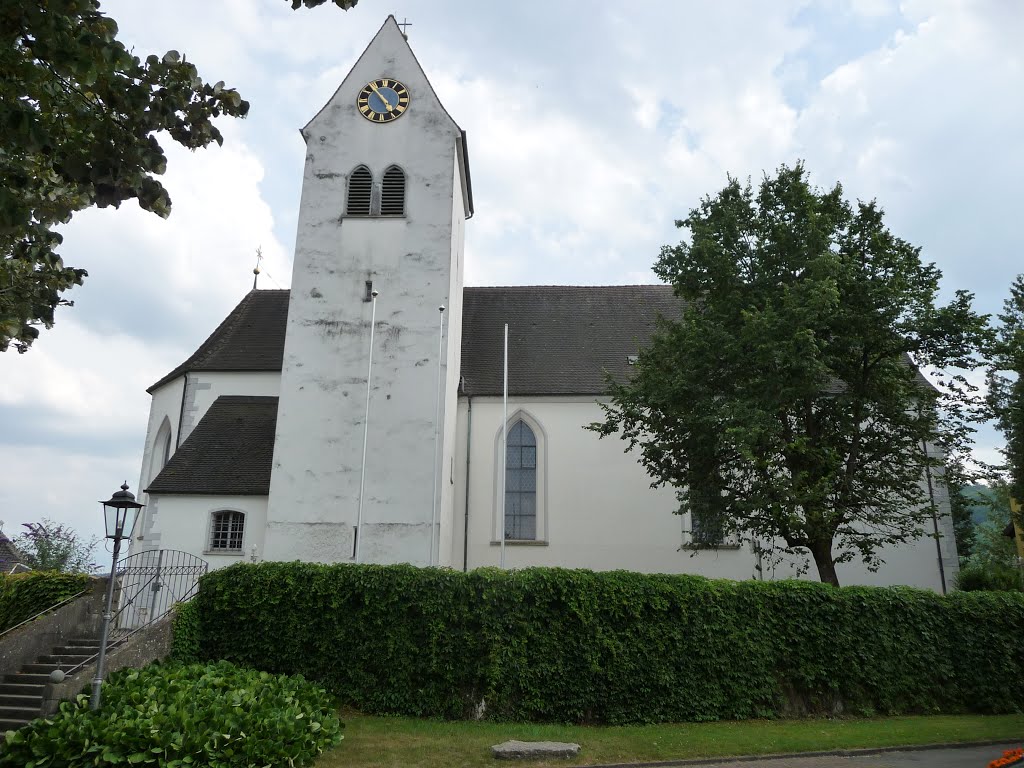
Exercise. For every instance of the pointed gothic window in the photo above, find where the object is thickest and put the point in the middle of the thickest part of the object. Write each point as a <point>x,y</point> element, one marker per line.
<point>521,483</point>
<point>360,186</point>
<point>392,196</point>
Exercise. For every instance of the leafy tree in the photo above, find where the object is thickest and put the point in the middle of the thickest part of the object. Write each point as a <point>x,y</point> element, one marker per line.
<point>992,562</point>
<point>79,120</point>
<point>961,507</point>
<point>786,398</point>
<point>1005,379</point>
<point>48,546</point>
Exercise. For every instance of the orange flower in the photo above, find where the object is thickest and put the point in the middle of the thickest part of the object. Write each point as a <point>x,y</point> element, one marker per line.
<point>1009,757</point>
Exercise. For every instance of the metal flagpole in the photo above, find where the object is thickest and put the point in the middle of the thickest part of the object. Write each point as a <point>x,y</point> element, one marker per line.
<point>504,450</point>
<point>366,430</point>
<point>437,431</point>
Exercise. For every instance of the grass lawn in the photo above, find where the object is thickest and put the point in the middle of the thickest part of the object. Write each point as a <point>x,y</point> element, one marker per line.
<point>400,742</point>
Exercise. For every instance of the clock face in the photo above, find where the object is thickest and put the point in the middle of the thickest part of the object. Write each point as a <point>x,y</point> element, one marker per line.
<point>383,100</point>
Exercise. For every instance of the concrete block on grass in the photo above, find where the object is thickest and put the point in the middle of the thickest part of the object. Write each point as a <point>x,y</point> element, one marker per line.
<point>534,750</point>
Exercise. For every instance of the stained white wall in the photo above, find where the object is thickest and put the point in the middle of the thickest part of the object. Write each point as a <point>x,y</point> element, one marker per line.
<point>184,524</point>
<point>314,492</point>
<point>183,406</point>
<point>602,514</point>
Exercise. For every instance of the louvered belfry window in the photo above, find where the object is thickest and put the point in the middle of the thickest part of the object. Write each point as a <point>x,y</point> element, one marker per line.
<point>360,187</point>
<point>392,194</point>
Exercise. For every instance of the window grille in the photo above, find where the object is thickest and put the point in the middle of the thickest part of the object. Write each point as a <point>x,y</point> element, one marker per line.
<point>360,187</point>
<point>392,198</point>
<point>228,527</point>
<point>521,483</point>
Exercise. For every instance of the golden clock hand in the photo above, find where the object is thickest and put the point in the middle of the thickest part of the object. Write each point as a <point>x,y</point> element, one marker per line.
<point>387,104</point>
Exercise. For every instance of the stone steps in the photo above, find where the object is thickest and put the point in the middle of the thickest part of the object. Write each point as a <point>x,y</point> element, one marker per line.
<point>21,693</point>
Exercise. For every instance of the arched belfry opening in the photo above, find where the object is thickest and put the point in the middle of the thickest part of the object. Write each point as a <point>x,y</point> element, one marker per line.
<point>360,191</point>
<point>392,197</point>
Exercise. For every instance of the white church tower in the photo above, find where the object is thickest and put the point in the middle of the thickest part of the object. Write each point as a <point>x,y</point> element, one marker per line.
<point>385,196</point>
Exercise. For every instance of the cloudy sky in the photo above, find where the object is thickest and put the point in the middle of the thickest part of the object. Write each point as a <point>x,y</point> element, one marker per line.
<point>592,126</point>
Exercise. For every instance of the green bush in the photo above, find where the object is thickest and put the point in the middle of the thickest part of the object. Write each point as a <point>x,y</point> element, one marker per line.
<point>975,577</point>
<point>178,715</point>
<point>23,595</point>
<point>185,634</point>
<point>577,646</point>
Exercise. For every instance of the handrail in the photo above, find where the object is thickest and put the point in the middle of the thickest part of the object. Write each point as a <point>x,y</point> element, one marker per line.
<point>46,610</point>
<point>115,642</point>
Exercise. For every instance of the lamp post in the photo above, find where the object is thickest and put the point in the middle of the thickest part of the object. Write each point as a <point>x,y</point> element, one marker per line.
<point>119,514</point>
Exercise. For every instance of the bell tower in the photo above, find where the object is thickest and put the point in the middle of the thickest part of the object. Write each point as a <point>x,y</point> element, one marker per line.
<point>385,196</point>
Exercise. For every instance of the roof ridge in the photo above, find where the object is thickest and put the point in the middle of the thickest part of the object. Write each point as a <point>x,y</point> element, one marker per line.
<point>553,285</point>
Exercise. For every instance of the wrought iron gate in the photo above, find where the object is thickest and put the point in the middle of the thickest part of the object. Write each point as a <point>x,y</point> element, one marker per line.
<point>151,582</point>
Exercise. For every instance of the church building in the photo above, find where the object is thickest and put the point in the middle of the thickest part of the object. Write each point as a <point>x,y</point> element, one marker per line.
<point>359,416</point>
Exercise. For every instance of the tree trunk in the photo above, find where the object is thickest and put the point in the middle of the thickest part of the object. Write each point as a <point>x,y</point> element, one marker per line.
<point>822,552</point>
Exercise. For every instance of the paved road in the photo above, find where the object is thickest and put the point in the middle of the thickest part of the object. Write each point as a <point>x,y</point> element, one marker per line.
<point>963,757</point>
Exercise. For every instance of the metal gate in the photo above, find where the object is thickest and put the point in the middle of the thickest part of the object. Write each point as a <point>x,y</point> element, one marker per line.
<point>151,582</point>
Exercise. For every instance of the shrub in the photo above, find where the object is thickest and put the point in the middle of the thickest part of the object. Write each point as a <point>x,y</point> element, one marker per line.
<point>185,634</point>
<point>172,715</point>
<point>548,644</point>
<point>23,595</point>
<point>975,577</point>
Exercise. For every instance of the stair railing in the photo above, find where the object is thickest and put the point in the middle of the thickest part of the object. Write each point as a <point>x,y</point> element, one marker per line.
<point>53,607</point>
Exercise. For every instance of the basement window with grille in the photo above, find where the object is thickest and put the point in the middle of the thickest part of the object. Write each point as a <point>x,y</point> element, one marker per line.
<point>392,192</point>
<point>360,189</point>
<point>226,529</point>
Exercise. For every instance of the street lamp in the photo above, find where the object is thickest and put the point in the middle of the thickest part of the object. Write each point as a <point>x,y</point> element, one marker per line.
<point>119,514</point>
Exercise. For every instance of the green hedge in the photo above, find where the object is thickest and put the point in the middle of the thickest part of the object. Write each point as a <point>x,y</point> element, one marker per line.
<point>179,715</point>
<point>24,595</point>
<point>577,646</point>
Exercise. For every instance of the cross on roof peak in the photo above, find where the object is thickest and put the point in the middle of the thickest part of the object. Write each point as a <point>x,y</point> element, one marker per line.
<point>403,24</point>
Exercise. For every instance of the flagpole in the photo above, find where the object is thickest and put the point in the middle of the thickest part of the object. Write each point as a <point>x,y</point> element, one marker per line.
<point>437,433</point>
<point>504,449</point>
<point>357,541</point>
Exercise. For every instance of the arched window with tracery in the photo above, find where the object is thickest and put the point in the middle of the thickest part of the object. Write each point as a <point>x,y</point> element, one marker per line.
<point>360,192</point>
<point>521,483</point>
<point>392,193</point>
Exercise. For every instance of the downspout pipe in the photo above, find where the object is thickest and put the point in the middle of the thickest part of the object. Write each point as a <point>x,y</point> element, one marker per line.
<point>935,517</point>
<point>469,452</point>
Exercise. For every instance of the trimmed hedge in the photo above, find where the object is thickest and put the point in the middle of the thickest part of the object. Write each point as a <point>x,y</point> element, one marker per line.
<point>23,595</point>
<point>578,646</point>
<point>177,715</point>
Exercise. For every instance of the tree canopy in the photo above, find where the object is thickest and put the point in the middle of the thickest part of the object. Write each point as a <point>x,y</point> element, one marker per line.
<point>786,401</point>
<point>48,546</point>
<point>80,117</point>
<point>1005,380</point>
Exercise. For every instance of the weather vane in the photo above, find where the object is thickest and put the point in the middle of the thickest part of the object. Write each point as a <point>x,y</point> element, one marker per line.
<point>256,269</point>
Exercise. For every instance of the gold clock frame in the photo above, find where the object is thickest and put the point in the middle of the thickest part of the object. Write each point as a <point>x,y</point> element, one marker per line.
<point>393,111</point>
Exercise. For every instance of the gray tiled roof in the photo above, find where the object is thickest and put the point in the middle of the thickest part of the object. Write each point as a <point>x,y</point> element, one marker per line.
<point>562,338</point>
<point>229,453</point>
<point>251,338</point>
<point>9,554</point>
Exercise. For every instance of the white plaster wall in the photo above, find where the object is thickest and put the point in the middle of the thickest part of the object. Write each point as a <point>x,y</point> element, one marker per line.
<point>200,393</point>
<point>165,404</point>
<point>314,492</point>
<point>602,513</point>
<point>184,523</point>
<point>205,387</point>
<point>453,358</point>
